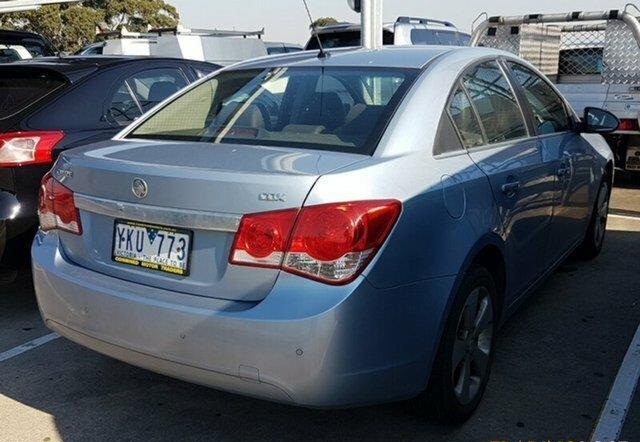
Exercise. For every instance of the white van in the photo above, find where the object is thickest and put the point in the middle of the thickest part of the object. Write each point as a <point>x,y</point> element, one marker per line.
<point>213,46</point>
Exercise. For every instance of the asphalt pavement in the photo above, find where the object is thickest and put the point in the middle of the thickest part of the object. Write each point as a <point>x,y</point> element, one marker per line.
<point>555,363</point>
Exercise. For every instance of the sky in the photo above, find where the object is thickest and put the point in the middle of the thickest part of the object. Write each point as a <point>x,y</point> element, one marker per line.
<point>286,20</point>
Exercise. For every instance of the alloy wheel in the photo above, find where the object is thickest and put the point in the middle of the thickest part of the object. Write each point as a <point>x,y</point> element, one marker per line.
<point>473,345</point>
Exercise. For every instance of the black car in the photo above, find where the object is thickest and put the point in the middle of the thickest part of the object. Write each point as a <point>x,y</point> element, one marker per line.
<point>37,45</point>
<point>52,104</point>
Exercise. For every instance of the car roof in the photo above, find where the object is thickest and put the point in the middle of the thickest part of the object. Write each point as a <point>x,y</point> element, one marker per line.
<point>21,34</point>
<point>402,57</point>
<point>389,26</point>
<point>75,67</point>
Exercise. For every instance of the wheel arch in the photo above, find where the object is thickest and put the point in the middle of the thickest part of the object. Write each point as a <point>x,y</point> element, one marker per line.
<point>489,252</point>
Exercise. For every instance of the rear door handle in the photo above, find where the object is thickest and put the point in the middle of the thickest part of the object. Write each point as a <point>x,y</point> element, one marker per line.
<point>510,189</point>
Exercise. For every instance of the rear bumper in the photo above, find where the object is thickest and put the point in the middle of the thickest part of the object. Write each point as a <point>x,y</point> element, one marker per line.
<point>24,183</point>
<point>306,344</point>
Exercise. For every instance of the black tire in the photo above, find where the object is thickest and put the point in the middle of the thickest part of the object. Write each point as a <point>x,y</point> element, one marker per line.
<point>444,399</point>
<point>593,241</point>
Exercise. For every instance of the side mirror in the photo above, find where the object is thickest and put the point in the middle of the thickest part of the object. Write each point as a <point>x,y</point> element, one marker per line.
<point>356,5</point>
<point>599,121</point>
<point>9,206</point>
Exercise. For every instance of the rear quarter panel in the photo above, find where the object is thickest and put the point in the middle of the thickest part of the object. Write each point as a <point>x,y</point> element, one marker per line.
<point>448,207</point>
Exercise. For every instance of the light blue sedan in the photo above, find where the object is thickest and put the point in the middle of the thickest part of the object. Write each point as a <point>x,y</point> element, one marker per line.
<point>326,232</point>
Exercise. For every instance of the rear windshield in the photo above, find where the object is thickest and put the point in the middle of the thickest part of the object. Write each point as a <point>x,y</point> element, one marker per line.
<point>438,37</point>
<point>344,39</point>
<point>37,48</point>
<point>582,61</point>
<point>340,109</point>
<point>20,89</point>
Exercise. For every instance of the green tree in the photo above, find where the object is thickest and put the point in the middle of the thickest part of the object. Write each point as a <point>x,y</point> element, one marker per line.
<point>323,21</point>
<point>70,27</point>
<point>136,15</point>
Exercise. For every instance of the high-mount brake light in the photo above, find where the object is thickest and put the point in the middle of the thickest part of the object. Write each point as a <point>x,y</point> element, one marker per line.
<point>27,148</point>
<point>56,208</point>
<point>331,243</point>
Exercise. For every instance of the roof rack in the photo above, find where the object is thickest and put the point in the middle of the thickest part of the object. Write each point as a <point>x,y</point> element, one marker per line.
<point>124,33</point>
<point>561,18</point>
<point>425,21</point>
<point>178,30</point>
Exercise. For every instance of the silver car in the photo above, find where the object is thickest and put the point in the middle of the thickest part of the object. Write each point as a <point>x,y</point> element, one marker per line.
<point>325,231</point>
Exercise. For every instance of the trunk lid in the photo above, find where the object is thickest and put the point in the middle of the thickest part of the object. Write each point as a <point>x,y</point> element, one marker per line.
<point>195,186</point>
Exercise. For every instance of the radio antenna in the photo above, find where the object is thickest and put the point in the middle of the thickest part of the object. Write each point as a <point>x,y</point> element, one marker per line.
<point>323,53</point>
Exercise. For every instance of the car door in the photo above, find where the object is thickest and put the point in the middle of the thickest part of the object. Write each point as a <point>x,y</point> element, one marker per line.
<point>567,153</point>
<point>512,160</point>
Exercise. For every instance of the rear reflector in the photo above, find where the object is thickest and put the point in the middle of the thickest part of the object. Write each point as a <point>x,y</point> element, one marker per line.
<point>331,243</point>
<point>628,124</point>
<point>57,209</point>
<point>25,148</point>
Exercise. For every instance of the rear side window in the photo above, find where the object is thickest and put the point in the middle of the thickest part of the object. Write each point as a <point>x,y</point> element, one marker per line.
<point>20,89</point>
<point>142,91</point>
<point>495,103</point>
<point>548,108</point>
<point>464,119</point>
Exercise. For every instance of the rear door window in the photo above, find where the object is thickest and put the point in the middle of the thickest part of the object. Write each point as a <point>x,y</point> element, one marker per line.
<point>495,102</point>
<point>142,91</point>
<point>548,108</point>
<point>20,89</point>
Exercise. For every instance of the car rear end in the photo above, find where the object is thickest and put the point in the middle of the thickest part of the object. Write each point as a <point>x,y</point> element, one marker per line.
<point>26,154</point>
<point>190,246</point>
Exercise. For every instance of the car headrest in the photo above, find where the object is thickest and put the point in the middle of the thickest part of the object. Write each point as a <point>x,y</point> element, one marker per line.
<point>161,90</point>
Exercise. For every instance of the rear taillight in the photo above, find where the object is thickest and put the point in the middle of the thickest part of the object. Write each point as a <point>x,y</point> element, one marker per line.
<point>57,209</point>
<point>628,124</point>
<point>332,243</point>
<point>25,148</point>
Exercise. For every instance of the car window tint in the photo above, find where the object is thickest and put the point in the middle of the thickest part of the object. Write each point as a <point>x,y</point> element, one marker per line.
<point>142,91</point>
<point>464,119</point>
<point>8,55</point>
<point>495,102</point>
<point>548,108</point>
<point>340,109</point>
<point>435,37</point>
<point>20,89</point>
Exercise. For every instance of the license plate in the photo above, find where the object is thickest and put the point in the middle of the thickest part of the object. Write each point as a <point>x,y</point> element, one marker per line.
<point>633,158</point>
<point>160,248</point>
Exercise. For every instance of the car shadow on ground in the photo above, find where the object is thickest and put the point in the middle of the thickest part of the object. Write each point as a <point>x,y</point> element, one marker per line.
<point>555,362</point>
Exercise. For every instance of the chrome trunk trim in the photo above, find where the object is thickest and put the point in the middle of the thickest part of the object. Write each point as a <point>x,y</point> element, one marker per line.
<point>189,219</point>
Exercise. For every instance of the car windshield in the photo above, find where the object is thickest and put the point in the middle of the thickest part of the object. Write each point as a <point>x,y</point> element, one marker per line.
<point>340,109</point>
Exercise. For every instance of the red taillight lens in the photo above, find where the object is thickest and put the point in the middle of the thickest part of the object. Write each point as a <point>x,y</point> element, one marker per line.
<point>262,238</point>
<point>25,148</point>
<point>332,243</point>
<point>57,208</point>
<point>629,125</point>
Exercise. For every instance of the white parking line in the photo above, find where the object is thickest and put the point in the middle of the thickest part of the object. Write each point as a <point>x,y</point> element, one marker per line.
<point>617,406</point>
<point>28,346</point>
